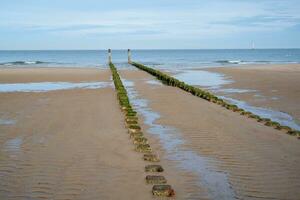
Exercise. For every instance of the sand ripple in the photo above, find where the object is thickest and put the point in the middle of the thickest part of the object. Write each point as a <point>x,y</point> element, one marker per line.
<point>68,147</point>
<point>261,163</point>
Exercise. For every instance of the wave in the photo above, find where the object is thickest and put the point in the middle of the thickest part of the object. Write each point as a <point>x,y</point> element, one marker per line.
<point>152,63</point>
<point>241,62</point>
<point>229,61</point>
<point>224,62</point>
<point>24,63</point>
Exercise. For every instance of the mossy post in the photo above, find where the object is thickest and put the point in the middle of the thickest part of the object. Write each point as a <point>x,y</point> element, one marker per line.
<point>109,56</point>
<point>129,56</point>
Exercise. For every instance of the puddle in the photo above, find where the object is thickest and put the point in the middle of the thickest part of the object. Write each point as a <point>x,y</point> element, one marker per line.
<point>203,78</point>
<point>277,116</point>
<point>50,86</point>
<point>259,96</point>
<point>274,98</point>
<point>154,82</point>
<point>13,146</point>
<point>7,122</point>
<point>215,181</point>
<point>233,90</point>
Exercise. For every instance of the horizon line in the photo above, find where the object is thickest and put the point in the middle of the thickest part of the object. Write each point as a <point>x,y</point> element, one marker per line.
<point>122,49</point>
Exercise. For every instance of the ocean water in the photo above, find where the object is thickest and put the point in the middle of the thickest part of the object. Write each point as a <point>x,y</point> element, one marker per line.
<point>162,59</point>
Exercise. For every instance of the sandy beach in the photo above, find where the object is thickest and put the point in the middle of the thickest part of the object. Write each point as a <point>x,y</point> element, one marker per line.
<point>72,143</point>
<point>256,161</point>
<point>275,86</point>
<point>150,100</point>
<point>66,144</point>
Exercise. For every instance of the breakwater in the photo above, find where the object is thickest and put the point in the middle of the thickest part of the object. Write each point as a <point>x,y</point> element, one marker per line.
<point>171,81</point>
<point>159,182</point>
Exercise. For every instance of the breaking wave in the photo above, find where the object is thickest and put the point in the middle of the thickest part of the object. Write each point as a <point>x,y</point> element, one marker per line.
<point>24,63</point>
<point>240,62</point>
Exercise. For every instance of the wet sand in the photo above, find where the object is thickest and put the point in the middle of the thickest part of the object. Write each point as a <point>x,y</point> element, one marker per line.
<point>277,86</point>
<point>24,75</point>
<point>72,144</point>
<point>66,144</point>
<point>260,162</point>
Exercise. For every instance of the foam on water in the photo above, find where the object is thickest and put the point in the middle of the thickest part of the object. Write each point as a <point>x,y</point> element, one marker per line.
<point>50,86</point>
<point>216,182</point>
<point>24,63</point>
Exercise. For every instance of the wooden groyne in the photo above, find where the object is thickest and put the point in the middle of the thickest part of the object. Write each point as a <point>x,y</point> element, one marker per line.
<point>141,144</point>
<point>171,81</point>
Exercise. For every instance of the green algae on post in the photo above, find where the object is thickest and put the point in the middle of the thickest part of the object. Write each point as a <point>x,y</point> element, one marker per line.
<point>131,122</point>
<point>140,140</point>
<point>127,119</point>
<point>134,127</point>
<point>154,168</point>
<point>163,191</point>
<point>154,179</point>
<point>143,148</point>
<point>151,157</point>
<point>141,143</point>
<point>135,134</point>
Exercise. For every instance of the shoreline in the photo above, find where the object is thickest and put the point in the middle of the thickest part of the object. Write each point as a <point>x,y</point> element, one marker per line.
<point>203,66</point>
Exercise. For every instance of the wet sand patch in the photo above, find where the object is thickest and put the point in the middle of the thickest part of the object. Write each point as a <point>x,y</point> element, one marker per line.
<point>261,162</point>
<point>278,84</point>
<point>67,144</point>
<point>215,182</point>
<point>253,100</point>
<point>50,86</point>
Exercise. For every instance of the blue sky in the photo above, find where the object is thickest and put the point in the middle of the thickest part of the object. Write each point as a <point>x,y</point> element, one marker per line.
<point>155,24</point>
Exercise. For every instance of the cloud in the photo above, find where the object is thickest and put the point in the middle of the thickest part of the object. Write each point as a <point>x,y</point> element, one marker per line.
<point>211,16</point>
<point>161,20</point>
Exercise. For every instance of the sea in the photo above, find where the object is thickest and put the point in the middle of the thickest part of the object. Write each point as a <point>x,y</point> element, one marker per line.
<point>162,59</point>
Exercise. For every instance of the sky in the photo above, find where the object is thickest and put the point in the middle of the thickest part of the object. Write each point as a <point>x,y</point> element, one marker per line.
<point>155,24</point>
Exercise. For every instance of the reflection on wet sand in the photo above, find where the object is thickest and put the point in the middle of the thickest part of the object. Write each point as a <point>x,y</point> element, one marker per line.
<point>215,82</point>
<point>208,176</point>
<point>50,86</point>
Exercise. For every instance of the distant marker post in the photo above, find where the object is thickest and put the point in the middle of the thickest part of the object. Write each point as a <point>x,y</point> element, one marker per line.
<point>129,56</point>
<point>109,56</point>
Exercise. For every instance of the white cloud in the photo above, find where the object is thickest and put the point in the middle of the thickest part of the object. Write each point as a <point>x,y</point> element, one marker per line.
<point>210,19</point>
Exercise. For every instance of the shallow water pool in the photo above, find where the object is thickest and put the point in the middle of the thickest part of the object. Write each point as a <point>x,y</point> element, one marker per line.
<point>204,78</point>
<point>50,86</point>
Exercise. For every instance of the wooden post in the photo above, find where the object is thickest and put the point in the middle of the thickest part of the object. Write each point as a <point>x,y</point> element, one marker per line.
<point>109,56</point>
<point>129,56</point>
